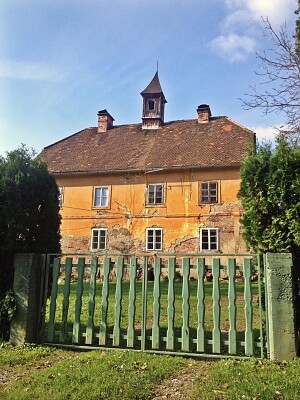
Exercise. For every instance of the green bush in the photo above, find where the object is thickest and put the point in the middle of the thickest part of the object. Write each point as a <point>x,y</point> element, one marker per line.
<point>7,311</point>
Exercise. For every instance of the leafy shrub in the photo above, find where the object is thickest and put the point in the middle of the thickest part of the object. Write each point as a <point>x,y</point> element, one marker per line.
<point>7,310</point>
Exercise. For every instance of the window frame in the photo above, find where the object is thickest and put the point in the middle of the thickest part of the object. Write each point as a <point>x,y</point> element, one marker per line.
<point>155,203</point>
<point>148,105</point>
<point>60,197</point>
<point>209,241</point>
<point>101,196</point>
<point>154,247</point>
<point>98,240</point>
<point>209,195</point>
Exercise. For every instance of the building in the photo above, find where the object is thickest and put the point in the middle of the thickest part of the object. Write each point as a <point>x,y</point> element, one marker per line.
<point>154,186</point>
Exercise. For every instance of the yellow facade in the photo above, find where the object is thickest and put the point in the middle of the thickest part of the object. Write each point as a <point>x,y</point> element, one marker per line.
<point>128,214</point>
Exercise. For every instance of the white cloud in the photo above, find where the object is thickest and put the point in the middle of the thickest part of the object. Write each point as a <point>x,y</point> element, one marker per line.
<point>30,71</point>
<point>233,47</point>
<point>265,133</point>
<point>276,10</point>
<point>239,26</point>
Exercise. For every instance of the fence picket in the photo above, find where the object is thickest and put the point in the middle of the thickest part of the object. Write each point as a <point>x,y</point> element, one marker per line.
<point>78,303</point>
<point>63,335</point>
<point>232,347</point>
<point>201,305</point>
<point>118,302</point>
<point>144,304</point>
<point>91,307</point>
<point>156,304</point>
<point>247,270</point>
<point>171,304</point>
<point>54,290</point>
<point>104,306</point>
<point>185,332</point>
<point>216,334</point>
<point>131,305</point>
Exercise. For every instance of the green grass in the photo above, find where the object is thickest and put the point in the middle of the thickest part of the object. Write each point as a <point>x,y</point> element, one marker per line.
<point>11,356</point>
<point>92,375</point>
<point>249,380</point>
<point>38,372</point>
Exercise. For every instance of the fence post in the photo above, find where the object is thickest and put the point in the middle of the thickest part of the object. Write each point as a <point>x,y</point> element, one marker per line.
<point>280,300</point>
<point>28,284</point>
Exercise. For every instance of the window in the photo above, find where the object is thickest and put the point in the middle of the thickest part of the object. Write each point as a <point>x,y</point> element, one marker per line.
<point>99,239</point>
<point>156,194</point>
<point>209,192</point>
<point>154,239</point>
<point>209,239</point>
<point>151,105</point>
<point>60,196</point>
<point>101,196</point>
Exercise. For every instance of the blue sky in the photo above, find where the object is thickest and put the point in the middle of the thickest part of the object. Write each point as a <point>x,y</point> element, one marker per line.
<point>61,61</point>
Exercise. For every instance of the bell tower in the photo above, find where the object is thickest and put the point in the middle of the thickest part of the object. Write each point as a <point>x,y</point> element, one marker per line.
<point>153,105</point>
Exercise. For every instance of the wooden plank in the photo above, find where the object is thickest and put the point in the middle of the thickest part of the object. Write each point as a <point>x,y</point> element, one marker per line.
<point>171,304</point>
<point>144,304</point>
<point>91,306</point>
<point>216,334</point>
<point>54,290</point>
<point>232,346</point>
<point>118,301</point>
<point>131,305</point>
<point>78,302</point>
<point>156,304</point>
<point>185,331</point>
<point>201,305</point>
<point>104,306</point>
<point>63,335</point>
<point>247,270</point>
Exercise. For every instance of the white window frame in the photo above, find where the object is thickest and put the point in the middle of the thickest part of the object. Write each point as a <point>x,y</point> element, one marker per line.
<point>100,197</point>
<point>212,233</point>
<point>209,200</point>
<point>153,246</point>
<point>60,196</point>
<point>99,230</point>
<point>155,202</point>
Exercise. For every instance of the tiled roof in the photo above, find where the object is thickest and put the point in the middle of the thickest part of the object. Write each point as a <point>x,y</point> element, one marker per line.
<point>177,144</point>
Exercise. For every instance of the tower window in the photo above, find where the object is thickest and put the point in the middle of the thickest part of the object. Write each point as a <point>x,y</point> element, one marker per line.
<point>151,105</point>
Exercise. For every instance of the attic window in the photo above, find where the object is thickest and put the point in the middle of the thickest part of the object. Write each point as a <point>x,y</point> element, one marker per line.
<point>151,105</point>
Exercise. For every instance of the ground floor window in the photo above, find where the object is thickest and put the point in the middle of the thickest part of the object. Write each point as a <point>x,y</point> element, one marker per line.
<point>99,239</point>
<point>154,239</point>
<point>209,239</point>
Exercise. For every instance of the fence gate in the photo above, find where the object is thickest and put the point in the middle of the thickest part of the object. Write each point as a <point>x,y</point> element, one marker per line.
<point>200,305</point>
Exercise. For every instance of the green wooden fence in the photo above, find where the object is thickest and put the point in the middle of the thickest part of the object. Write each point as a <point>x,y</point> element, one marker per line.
<point>208,305</point>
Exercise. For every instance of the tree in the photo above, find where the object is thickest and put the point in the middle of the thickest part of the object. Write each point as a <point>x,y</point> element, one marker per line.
<point>29,211</point>
<point>280,71</point>
<point>270,195</point>
<point>297,36</point>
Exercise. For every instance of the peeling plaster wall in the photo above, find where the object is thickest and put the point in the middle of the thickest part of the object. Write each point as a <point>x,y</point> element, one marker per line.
<point>128,216</point>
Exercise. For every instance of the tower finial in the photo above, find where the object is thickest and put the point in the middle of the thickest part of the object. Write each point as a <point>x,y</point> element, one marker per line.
<point>157,66</point>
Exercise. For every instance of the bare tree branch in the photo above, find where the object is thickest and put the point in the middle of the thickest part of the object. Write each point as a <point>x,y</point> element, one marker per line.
<point>279,91</point>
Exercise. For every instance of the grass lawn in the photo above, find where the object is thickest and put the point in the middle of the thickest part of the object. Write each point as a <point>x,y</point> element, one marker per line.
<point>37,372</point>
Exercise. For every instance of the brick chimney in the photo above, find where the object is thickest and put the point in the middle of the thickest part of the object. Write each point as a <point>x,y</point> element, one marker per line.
<point>105,121</point>
<point>204,113</point>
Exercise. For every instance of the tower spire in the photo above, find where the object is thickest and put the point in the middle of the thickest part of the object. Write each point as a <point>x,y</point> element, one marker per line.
<point>153,104</point>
